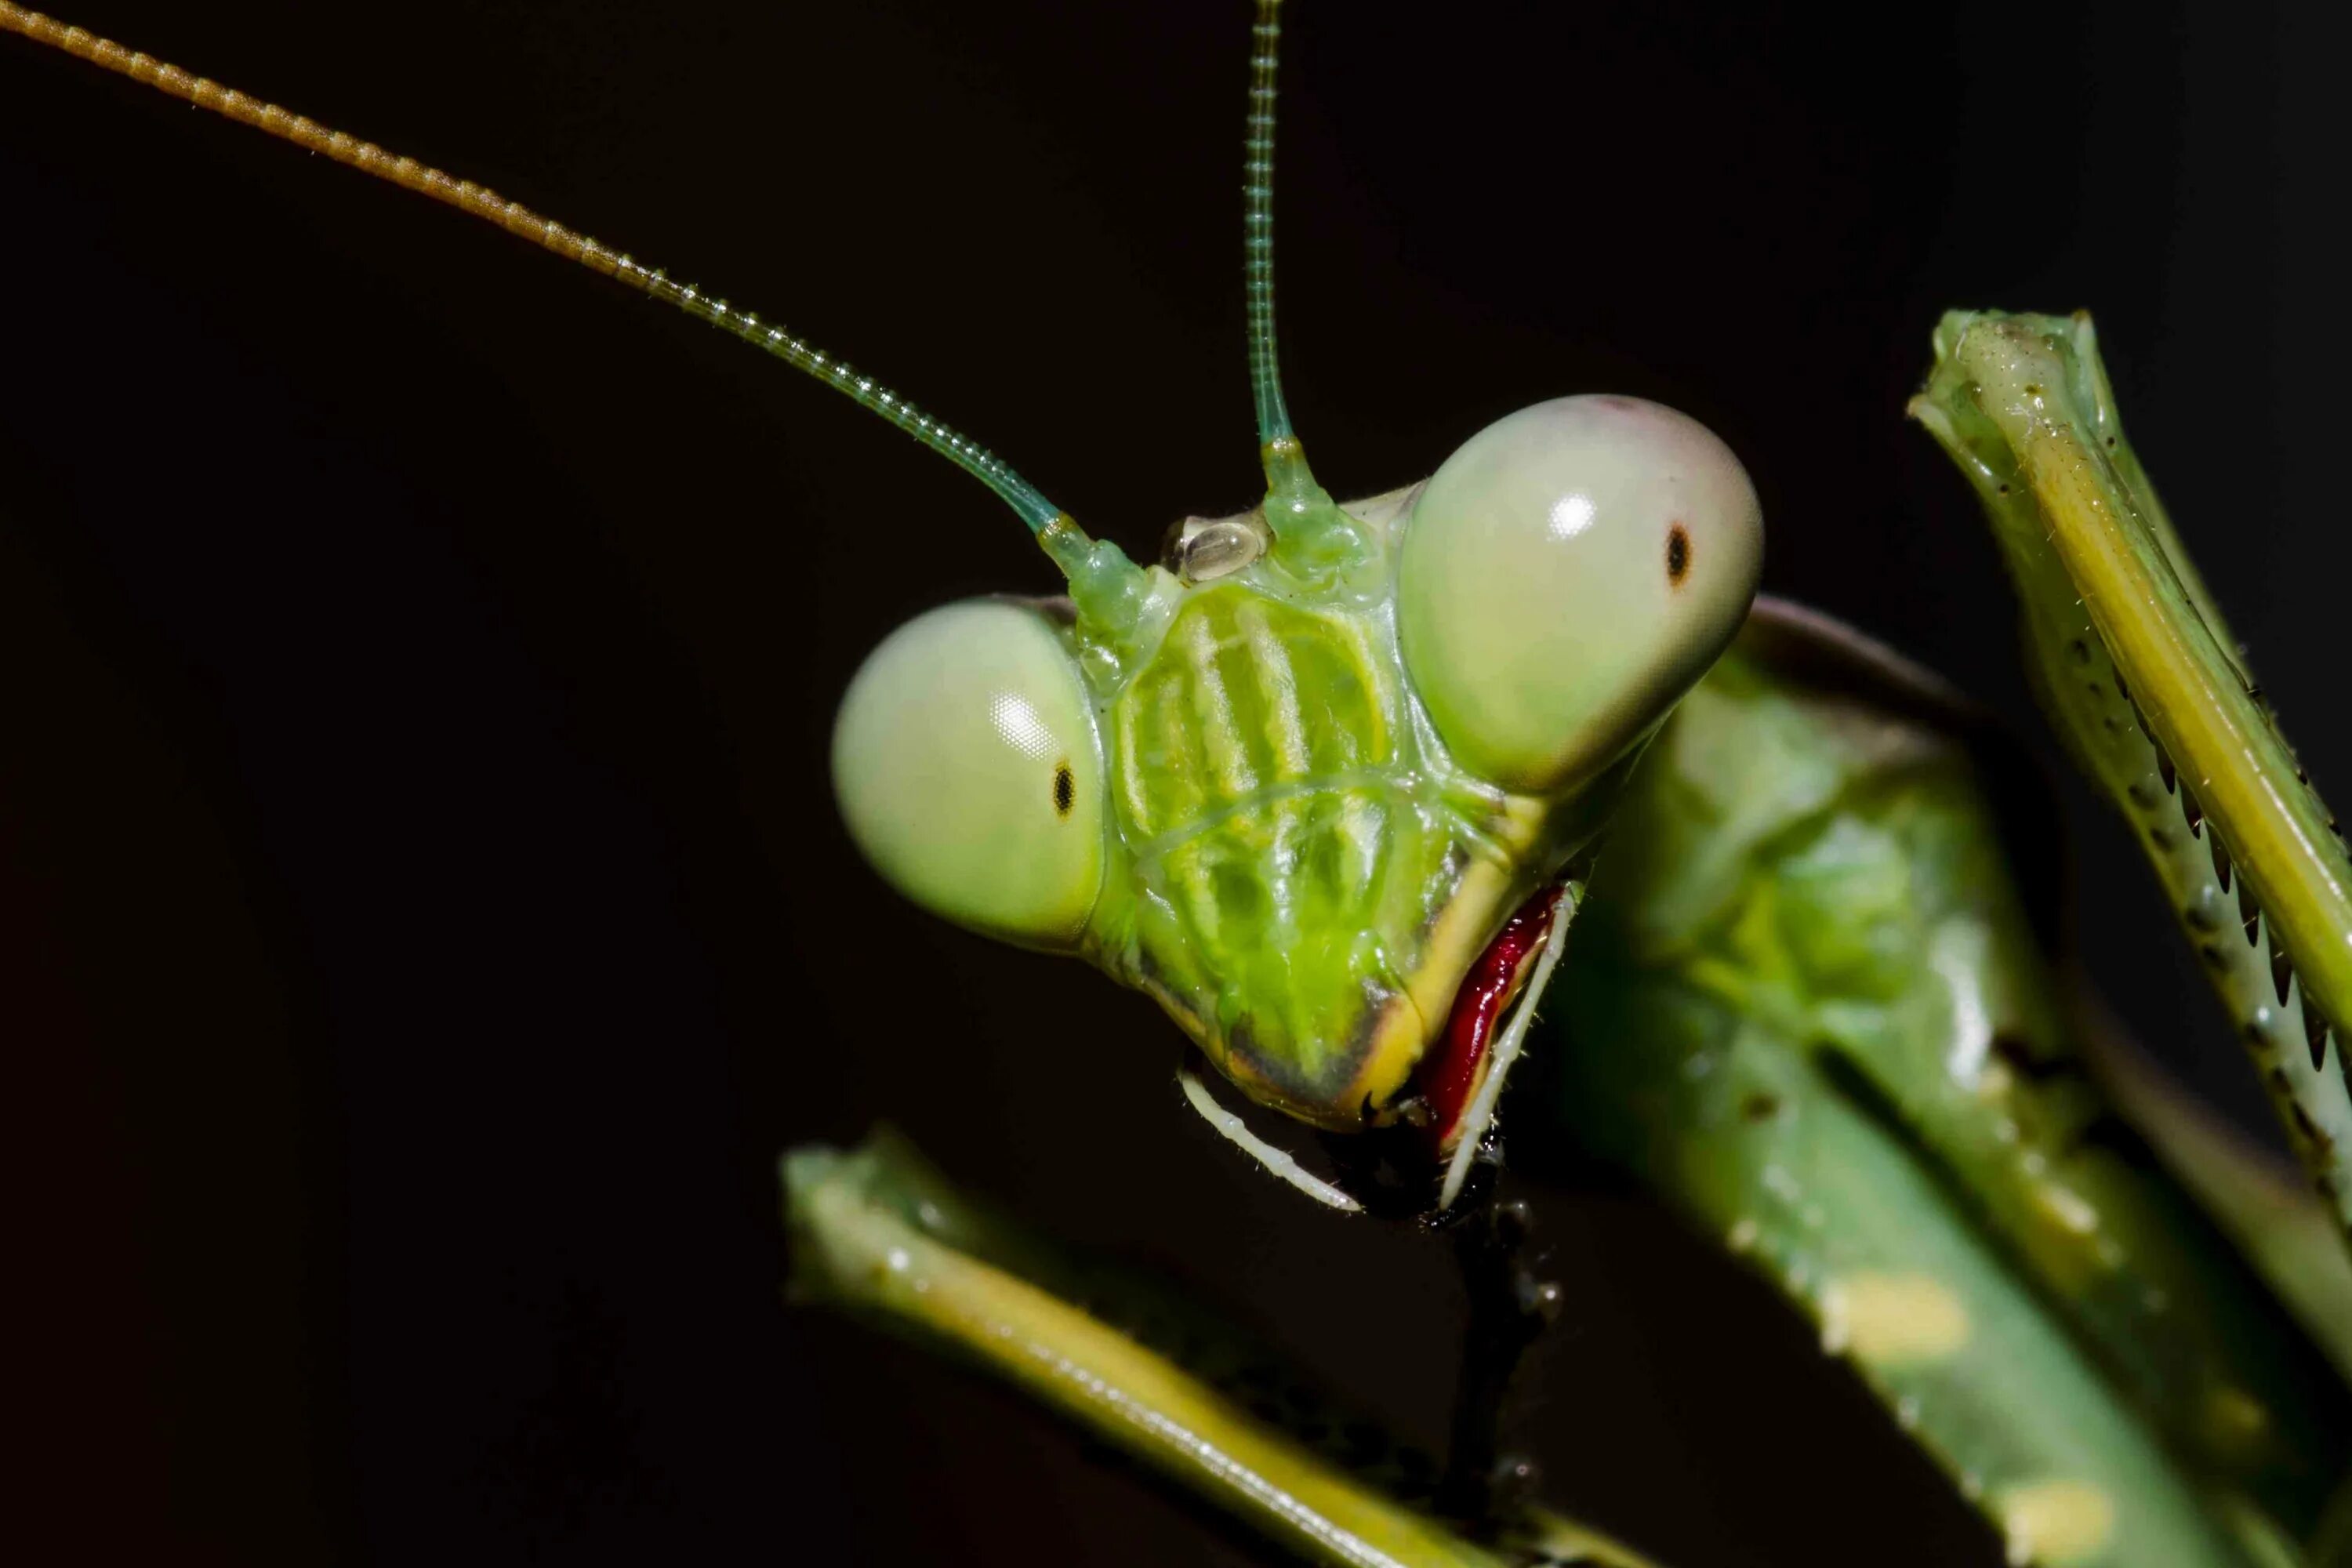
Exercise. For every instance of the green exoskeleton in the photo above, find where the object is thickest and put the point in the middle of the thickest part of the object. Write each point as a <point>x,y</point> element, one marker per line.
<point>1350,789</point>
<point>1294,782</point>
<point>1808,1004</point>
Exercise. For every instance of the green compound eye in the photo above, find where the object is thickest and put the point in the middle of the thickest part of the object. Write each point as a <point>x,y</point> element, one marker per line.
<point>964,761</point>
<point>1566,574</point>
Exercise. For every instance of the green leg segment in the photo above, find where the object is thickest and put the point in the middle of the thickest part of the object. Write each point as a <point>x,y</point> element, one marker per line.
<point>2143,679</point>
<point>877,1232</point>
<point>1803,1003</point>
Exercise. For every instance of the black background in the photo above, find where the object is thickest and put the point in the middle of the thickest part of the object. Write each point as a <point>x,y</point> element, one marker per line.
<point>421,916</point>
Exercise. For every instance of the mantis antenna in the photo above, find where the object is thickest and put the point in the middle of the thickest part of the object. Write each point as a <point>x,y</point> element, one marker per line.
<point>1301,514</point>
<point>1257,226</point>
<point>1061,537</point>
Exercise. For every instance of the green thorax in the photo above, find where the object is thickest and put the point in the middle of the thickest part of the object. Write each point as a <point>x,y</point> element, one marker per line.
<point>1301,873</point>
<point>1806,1003</point>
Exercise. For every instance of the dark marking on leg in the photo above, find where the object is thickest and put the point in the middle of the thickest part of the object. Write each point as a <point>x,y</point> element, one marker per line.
<point>2017,1051</point>
<point>2305,1126</point>
<point>2109,1132</point>
<point>1509,1308</point>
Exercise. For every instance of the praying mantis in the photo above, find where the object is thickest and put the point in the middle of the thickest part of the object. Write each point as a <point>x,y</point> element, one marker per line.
<point>1133,1022</point>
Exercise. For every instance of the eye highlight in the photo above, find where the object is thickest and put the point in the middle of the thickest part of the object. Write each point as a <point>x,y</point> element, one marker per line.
<point>1565,575</point>
<point>965,764</point>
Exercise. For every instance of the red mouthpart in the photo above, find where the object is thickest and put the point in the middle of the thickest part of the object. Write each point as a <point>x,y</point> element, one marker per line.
<point>1448,1077</point>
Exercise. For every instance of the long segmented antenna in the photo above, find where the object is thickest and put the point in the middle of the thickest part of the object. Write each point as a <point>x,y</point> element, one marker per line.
<point>1310,531</point>
<point>1061,536</point>
<point>1257,225</point>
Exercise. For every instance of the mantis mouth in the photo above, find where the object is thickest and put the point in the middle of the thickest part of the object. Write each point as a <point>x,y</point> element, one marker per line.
<point>1449,1101</point>
<point>1453,1079</point>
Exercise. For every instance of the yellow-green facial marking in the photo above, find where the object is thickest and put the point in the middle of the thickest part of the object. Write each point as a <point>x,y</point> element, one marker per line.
<point>1294,792</point>
<point>1312,876</point>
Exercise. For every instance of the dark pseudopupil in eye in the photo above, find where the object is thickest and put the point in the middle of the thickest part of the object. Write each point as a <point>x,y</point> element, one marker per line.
<point>1065,788</point>
<point>1677,555</point>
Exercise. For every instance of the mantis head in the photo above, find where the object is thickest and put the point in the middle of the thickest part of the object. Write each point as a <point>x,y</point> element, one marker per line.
<point>1324,781</point>
<point>1314,781</point>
